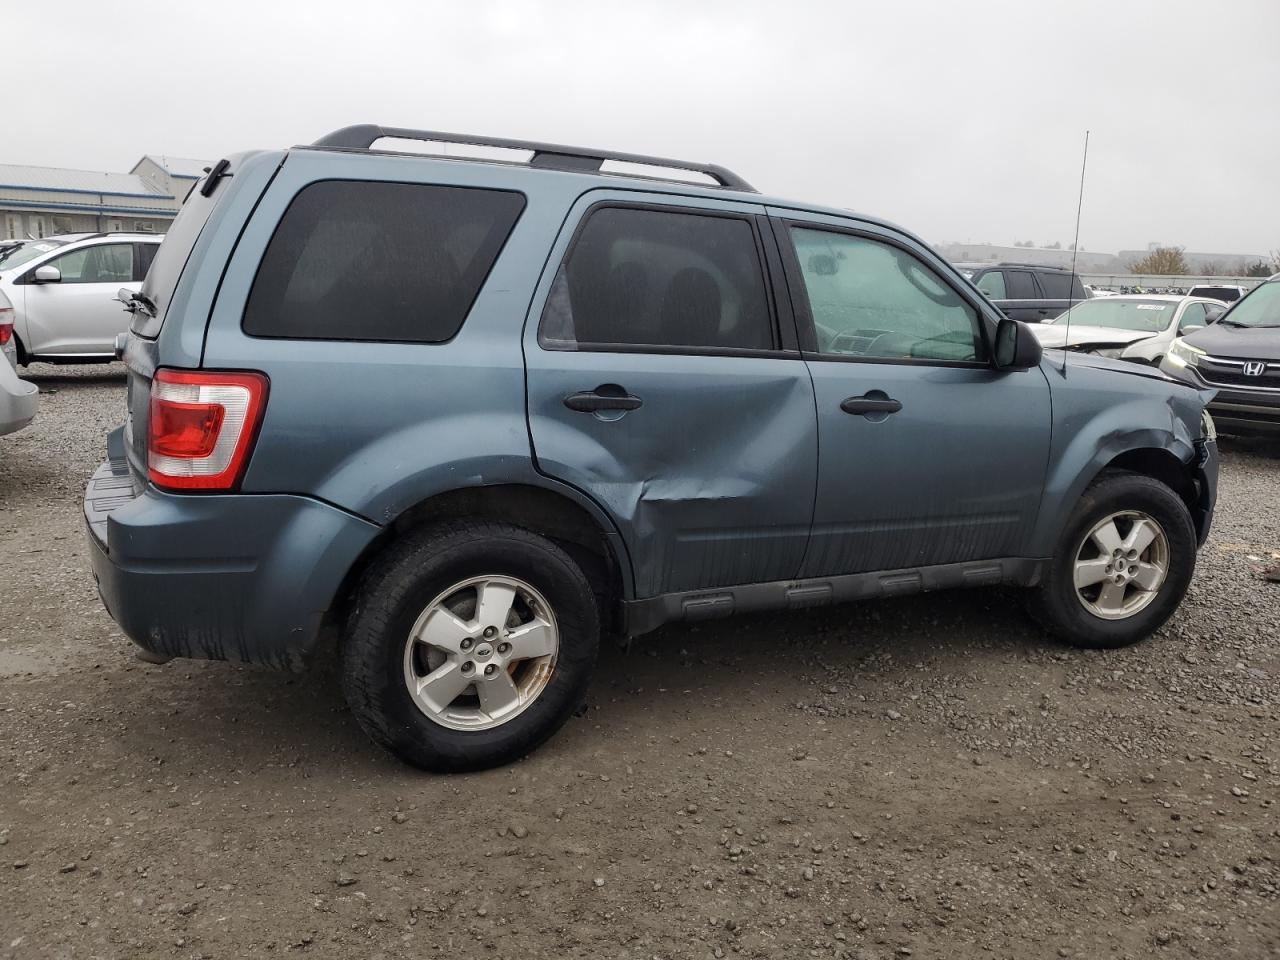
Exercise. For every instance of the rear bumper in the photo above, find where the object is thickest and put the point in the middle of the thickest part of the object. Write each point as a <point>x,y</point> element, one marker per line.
<point>18,400</point>
<point>225,577</point>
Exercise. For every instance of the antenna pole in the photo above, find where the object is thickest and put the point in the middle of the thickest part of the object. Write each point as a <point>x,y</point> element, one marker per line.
<point>1075,252</point>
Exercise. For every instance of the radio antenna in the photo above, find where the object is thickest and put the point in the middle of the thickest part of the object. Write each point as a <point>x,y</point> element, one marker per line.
<point>1075,252</point>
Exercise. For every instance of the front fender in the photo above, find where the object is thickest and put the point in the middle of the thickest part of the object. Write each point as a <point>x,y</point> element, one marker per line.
<point>1098,415</point>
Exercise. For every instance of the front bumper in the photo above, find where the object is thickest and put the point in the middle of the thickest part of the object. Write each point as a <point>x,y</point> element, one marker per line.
<point>218,577</point>
<point>1236,411</point>
<point>1206,477</point>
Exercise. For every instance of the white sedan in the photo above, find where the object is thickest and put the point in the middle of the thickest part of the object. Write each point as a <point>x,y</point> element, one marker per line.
<point>1137,327</point>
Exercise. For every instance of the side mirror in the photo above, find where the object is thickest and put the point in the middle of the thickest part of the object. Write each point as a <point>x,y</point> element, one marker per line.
<point>1016,346</point>
<point>47,274</point>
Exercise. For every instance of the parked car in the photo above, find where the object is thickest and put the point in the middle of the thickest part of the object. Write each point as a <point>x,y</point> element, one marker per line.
<point>469,417</point>
<point>18,398</point>
<point>63,291</point>
<point>1226,293</point>
<point>1129,327</point>
<point>1239,356</point>
<point>1029,292</point>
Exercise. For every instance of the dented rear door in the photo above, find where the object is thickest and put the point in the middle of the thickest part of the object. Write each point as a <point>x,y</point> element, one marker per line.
<point>664,382</point>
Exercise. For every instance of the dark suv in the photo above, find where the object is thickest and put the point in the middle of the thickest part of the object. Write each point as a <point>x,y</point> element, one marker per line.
<point>1029,292</point>
<point>468,416</point>
<point>1239,357</point>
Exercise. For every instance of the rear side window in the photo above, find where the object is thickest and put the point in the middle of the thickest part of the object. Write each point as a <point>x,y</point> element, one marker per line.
<point>645,277</point>
<point>361,260</point>
<point>1056,286</point>
<point>992,284</point>
<point>1022,285</point>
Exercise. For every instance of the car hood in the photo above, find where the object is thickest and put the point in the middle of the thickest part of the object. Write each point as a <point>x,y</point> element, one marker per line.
<point>1056,335</point>
<point>1243,343</point>
<point>1126,367</point>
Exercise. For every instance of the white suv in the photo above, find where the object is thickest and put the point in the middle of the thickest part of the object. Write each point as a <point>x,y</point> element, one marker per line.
<point>63,291</point>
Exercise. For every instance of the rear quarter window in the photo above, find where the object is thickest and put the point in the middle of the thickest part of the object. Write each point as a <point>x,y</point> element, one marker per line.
<point>364,260</point>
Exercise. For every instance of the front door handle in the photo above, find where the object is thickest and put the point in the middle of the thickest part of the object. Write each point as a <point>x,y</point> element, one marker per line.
<point>608,396</point>
<point>869,404</point>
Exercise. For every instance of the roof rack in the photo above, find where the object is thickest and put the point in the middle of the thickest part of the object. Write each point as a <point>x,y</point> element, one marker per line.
<point>1037,266</point>
<point>549,155</point>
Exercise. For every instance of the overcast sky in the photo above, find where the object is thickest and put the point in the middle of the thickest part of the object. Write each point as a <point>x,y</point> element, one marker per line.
<point>960,120</point>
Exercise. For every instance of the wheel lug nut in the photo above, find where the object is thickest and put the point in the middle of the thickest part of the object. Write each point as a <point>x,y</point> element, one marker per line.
<point>468,667</point>
<point>504,648</point>
<point>490,670</point>
<point>467,643</point>
<point>490,632</point>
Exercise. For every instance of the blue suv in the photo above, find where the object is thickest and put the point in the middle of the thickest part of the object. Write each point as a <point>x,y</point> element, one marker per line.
<point>467,416</point>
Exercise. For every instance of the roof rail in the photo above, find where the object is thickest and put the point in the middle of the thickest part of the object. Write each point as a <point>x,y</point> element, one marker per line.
<point>550,155</point>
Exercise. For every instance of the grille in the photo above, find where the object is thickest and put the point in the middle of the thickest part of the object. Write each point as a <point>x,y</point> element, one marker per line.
<point>1227,373</point>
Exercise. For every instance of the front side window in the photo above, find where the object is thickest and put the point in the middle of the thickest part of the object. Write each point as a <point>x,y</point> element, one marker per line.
<point>363,260</point>
<point>103,263</point>
<point>1193,318</point>
<point>642,277</point>
<point>870,299</point>
<point>992,284</point>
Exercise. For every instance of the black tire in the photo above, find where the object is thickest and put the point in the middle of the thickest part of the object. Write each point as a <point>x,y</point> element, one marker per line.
<point>1055,603</point>
<point>402,582</point>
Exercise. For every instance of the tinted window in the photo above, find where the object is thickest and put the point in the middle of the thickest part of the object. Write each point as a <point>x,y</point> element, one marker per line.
<point>659,278</point>
<point>1056,286</point>
<point>144,253</point>
<point>870,299</point>
<point>103,263</point>
<point>1021,285</point>
<point>992,284</point>
<point>355,260</point>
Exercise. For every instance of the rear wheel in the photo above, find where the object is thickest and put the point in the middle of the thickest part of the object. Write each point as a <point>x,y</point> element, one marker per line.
<point>470,643</point>
<point>1122,566</point>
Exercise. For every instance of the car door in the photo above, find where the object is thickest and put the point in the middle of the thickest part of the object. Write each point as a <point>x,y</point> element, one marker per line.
<point>663,382</point>
<point>927,454</point>
<point>79,313</point>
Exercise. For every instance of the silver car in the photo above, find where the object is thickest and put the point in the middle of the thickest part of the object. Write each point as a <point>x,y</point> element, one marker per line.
<point>1137,327</point>
<point>63,291</point>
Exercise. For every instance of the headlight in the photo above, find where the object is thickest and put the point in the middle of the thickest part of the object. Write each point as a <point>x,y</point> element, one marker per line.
<point>1111,353</point>
<point>1182,354</point>
<point>1207,429</point>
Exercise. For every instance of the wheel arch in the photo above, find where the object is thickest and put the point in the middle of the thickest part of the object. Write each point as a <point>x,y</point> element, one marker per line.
<point>576,524</point>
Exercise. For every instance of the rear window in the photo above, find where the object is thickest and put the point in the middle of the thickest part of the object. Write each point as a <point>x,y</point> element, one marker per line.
<point>170,258</point>
<point>361,260</point>
<point>1056,286</point>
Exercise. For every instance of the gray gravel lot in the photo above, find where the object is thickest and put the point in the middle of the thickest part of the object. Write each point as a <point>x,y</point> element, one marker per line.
<point>927,777</point>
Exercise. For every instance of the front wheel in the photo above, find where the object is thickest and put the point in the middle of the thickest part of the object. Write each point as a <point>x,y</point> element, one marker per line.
<point>470,643</point>
<point>1122,566</point>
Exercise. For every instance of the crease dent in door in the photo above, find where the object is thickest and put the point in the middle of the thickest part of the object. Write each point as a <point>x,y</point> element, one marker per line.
<point>691,498</point>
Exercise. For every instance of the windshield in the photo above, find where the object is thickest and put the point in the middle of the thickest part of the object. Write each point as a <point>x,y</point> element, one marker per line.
<point>16,256</point>
<point>1261,308</point>
<point>1148,316</point>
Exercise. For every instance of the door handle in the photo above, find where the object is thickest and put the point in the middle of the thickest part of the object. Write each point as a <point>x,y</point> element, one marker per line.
<point>608,396</point>
<point>869,404</point>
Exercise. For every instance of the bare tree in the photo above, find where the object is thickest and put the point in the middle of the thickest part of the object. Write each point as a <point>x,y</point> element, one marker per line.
<point>1162,261</point>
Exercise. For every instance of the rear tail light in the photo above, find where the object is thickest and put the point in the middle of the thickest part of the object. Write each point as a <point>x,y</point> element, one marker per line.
<point>6,324</point>
<point>202,427</point>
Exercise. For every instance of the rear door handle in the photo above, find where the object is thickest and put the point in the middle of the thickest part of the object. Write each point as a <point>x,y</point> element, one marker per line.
<point>608,396</point>
<point>868,404</point>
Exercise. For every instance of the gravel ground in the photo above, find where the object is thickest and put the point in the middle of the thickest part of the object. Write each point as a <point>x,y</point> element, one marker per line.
<point>926,777</point>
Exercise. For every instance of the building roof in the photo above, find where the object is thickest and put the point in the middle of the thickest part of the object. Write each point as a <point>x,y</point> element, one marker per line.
<point>62,180</point>
<point>179,166</point>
